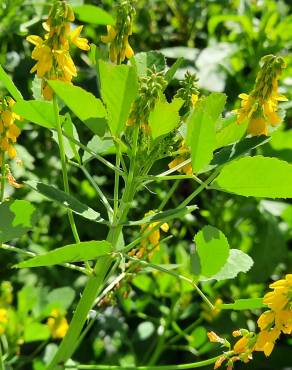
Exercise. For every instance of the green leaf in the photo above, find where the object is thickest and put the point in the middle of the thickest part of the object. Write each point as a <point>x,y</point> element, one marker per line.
<point>36,111</point>
<point>71,149</point>
<point>231,152</point>
<point>256,176</point>
<point>201,135</point>
<point>61,297</point>
<point>8,83</point>
<point>164,117</point>
<point>230,132</point>
<point>146,60</point>
<point>79,252</point>
<point>212,249</point>
<point>34,332</point>
<point>93,14</point>
<point>17,217</point>
<point>243,304</point>
<point>99,146</point>
<point>169,75</point>
<point>164,216</point>
<point>65,200</point>
<point>119,89</point>
<point>237,262</point>
<point>83,104</point>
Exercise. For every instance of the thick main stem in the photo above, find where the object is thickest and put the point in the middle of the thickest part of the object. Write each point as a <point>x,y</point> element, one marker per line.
<point>100,272</point>
<point>64,166</point>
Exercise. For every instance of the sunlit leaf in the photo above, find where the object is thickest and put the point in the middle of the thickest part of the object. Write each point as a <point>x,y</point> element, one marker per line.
<point>83,251</point>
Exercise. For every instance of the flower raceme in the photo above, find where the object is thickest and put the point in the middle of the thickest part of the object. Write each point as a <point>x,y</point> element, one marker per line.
<point>9,131</point>
<point>261,105</point>
<point>278,319</point>
<point>273,322</point>
<point>118,35</point>
<point>52,52</point>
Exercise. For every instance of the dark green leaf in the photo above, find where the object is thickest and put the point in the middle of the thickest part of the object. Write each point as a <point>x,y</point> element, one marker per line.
<point>17,217</point>
<point>65,200</point>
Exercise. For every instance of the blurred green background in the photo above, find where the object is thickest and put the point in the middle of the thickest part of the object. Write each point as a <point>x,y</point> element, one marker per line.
<point>152,318</point>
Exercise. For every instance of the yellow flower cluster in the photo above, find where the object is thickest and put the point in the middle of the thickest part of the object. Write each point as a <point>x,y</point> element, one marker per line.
<point>9,131</point>
<point>273,322</point>
<point>118,53</point>
<point>278,319</point>
<point>183,155</point>
<point>57,324</point>
<point>118,35</point>
<point>241,351</point>
<point>152,239</point>
<point>53,52</point>
<point>261,105</point>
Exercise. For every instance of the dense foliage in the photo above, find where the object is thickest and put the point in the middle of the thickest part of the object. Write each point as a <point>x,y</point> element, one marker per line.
<point>159,87</point>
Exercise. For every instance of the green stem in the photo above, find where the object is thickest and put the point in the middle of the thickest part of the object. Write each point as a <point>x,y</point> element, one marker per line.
<point>2,366</point>
<point>96,188</point>
<point>117,181</point>
<point>203,186</point>
<point>95,155</point>
<point>178,276</point>
<point>2,189</point>
<point>192,365</point>
<point>95,283</point>
<point>168,195</point>
<point>64,167</point>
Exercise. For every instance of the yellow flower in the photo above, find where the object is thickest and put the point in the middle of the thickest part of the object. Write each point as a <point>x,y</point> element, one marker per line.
<point>195,98</point>
<point>261,105</point>
<point>213,337</point>
<point>154,237</point>
<point>52,52</point>
<point>186,169</point>
<point>3,319</point>
<point>9,132</point>
<point>266,341</point>
<point>57,324</point>
<point>80,42</point>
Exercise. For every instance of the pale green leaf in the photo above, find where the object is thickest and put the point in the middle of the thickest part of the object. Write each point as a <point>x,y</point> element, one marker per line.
<point>256,176</point>
<point>79,252</point>
<point>212,249</point>
<point>83,104</point>
<point>146,60</point>
<point>35,331</point>
<point>201,134</point>
<point>61,297</point>
<point>8,83</point>
<point>93,14</point>
<point>36,111</point>
<point>164,117</point>
<point>237,262</point>
<point>119,89</point>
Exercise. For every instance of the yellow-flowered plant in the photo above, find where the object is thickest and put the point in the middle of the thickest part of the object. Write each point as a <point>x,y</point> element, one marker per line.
<point>151,243</point>
<point>118,35</point>
<point>260,107</point>
<point>273,322</point>
<point>278,319</point>
<point>9,131</point>
<point>52,52</point>
<point>57,324</point>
